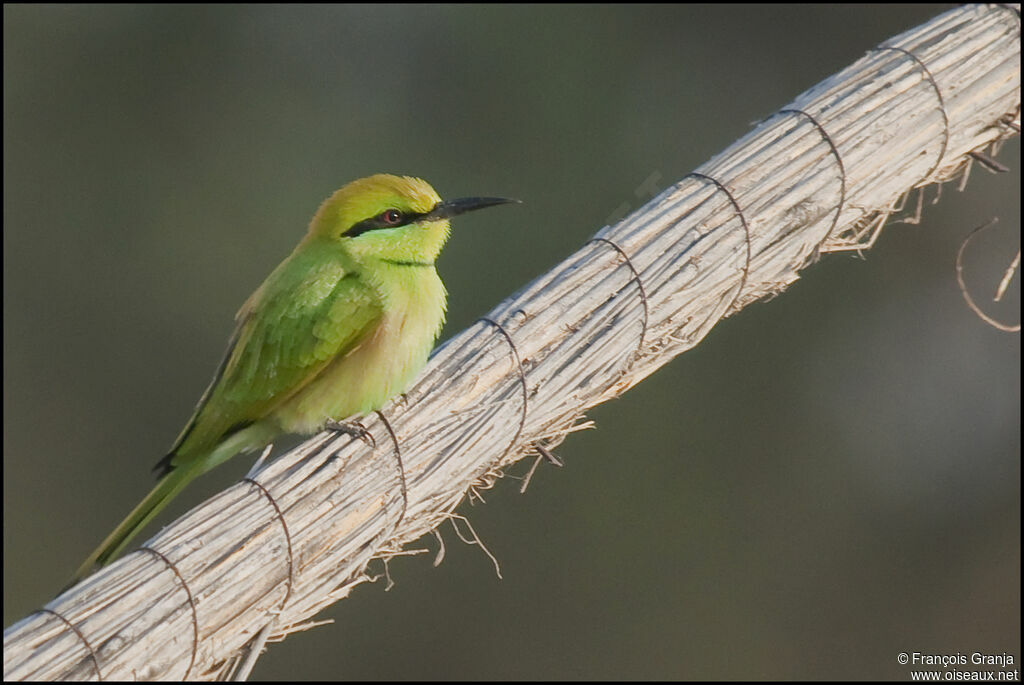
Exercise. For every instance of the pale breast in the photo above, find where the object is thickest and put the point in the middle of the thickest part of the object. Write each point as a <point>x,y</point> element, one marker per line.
<point>384,363</point>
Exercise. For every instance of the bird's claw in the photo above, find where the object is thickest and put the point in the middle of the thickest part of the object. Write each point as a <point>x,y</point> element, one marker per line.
<point>353,428</point>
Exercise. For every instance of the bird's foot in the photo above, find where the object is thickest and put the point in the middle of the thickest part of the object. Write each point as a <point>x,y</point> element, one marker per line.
<point>353,428</point>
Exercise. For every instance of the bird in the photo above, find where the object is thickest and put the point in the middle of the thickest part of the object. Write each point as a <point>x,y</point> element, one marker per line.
<point>342,325</point>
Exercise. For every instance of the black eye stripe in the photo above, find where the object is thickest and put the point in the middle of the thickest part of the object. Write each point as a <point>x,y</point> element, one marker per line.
<point>378,222</point>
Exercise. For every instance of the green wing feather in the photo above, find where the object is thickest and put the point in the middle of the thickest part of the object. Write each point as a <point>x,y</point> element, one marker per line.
<point>310,311</point>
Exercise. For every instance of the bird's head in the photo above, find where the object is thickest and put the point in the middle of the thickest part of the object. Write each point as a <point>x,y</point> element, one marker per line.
<point>391,217</point>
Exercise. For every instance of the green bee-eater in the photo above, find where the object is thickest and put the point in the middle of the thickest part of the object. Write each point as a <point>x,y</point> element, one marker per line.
<point>339,327</point>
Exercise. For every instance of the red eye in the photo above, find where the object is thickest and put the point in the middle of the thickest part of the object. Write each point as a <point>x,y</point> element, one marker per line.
<point>391,217</point>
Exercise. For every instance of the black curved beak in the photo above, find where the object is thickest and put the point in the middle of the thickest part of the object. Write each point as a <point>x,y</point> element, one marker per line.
<point>450,208</point>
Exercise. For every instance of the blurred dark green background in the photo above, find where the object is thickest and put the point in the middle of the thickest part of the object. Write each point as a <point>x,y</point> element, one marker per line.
<point>831,478</point>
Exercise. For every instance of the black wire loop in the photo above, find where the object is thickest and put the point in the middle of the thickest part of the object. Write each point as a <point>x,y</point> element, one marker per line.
<point>191,603</point>
<point>522,381</point>
<point>76,631</point>
<point>839,161</point>
<point>938,95</point>
<point>743,220</point>
<point>401,467</point>
<point>287,539</point>
<point>640,287</point>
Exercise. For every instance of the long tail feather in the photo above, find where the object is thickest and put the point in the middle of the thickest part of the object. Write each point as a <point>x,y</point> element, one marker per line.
<point>165,490</point>
<point>247,438</point>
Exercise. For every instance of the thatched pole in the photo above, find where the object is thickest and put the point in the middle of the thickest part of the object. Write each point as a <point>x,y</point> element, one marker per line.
<point>821,175</point>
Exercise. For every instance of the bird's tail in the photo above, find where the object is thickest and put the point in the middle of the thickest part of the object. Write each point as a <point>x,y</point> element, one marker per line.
<point>165,490</point>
